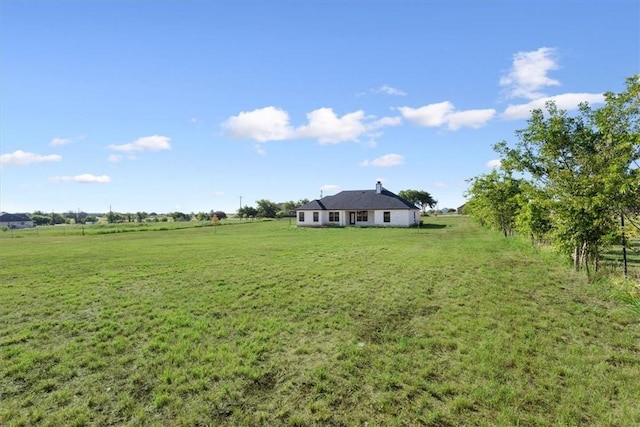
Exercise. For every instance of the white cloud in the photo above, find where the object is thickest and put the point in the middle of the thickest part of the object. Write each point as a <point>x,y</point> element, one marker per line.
<point>528,73</point>
<point>329,188</point>
<point>493,164</point>
<point>263,124</point>
<point>385,161</point>
<point>566,101</point>
<point>85,178</point>
<point>114,158</point>
<point>439,184</point>
<point>470,118</point>
<point>273,124</point>
<point>328,128</point>
<point>21,158</point>
<point>386,89</point>
<point>432,115</point>
<point>59,141</point>
<point>218,194</point>
<point>384,122</point>
<point>146,143</point>
<point>445,114</point>
<point>259,149</point>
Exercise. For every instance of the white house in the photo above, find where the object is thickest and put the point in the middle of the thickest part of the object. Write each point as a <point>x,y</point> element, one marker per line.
<point>363,208</point>
<point>15,220</point>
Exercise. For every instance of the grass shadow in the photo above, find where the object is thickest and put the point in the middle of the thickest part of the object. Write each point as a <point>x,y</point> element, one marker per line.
<point>433,226</point>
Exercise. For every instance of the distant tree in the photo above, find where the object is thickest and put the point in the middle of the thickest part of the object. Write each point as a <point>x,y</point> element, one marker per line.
<point>202,216</point>
<point>116,217</point>
<point>420,198</point>
<point>180,216</point>
<point>56,218</point>
<point>141,216</point>
<point>288,208</point>
<point>41,219</point>
<point>220,214</point>
<point>251,212</point>
<point>241,212</point>
<point>267,208</point>
<point>69,217</point>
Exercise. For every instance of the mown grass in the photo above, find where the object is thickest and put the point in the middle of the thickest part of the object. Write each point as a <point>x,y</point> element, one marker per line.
<point>268,324</point>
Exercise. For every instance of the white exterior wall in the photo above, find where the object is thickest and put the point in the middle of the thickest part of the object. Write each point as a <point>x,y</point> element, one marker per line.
<point>323,219</point>
<point>16,224</point>
<point>399,218</point>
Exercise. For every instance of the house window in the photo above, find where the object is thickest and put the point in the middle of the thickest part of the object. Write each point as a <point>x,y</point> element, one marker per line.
<point>301,216</point>
<point>363,216</point>
<point>386,216</point>
<point>334,216</point>
<point>316,217</point>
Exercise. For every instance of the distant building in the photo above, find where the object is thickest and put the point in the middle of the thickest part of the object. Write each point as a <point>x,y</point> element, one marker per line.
<point>15,220</point>
<point>362,208</point>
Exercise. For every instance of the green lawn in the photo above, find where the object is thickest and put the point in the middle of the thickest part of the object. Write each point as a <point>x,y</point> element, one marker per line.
<point>266,324</point>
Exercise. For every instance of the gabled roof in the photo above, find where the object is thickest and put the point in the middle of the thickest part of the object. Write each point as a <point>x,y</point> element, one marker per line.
<point>7,217</point>
<point>359,200</point>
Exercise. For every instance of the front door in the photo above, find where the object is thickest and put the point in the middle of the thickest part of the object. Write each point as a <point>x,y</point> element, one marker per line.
<point>352,218</point>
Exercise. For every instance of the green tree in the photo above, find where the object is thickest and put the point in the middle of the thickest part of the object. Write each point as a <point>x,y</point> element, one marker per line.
<point>495,200</point>
<point>41,219</point>
<point>180,216</point>
<point>586,165</point>
<point>288,208</point>
<point>242,212</point>
<point>141,216</point>
<point>56,218</point>
<point>421,199</point>
<point>250,211</point>
<point>220,214</point>
<point>267,208</point>
<point>247,212</point>
<point>534,213</point>
<point>202,216</point>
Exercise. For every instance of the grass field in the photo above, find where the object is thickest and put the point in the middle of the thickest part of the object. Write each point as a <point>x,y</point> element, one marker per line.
<point>266,324</point>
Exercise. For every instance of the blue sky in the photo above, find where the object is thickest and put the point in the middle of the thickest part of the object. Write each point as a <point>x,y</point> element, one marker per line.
<point>189,106</point>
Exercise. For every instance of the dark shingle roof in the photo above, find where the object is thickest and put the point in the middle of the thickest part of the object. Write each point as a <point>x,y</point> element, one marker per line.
<point>7,217</point>
<point>359,200</point>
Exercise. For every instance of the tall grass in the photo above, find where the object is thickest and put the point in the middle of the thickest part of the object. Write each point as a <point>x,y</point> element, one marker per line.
<point>268,324</point>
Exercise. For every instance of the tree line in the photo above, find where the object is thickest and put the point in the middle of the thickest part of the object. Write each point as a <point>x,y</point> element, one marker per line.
<point>264,209</point>
<point>569,180</point>
<point>268,209</point>
<point>80,217</point>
